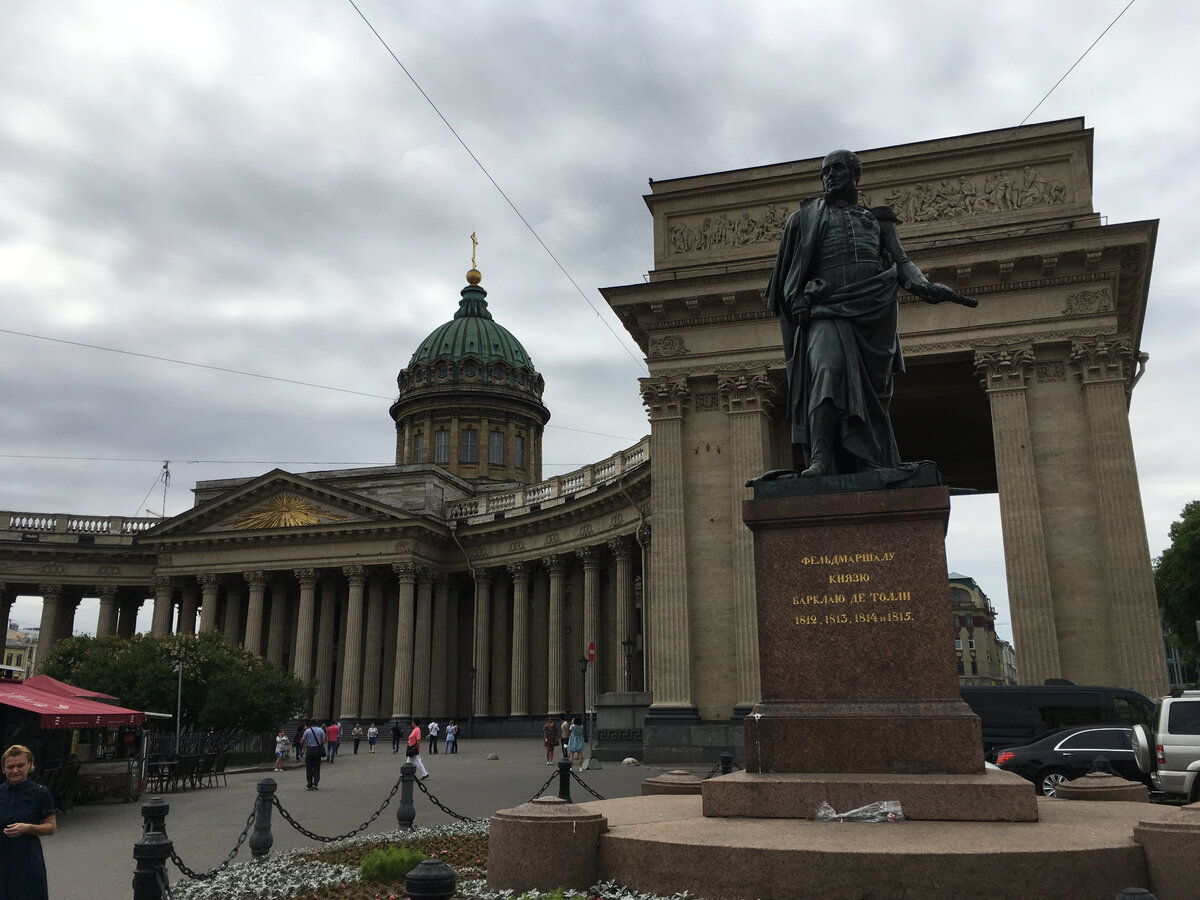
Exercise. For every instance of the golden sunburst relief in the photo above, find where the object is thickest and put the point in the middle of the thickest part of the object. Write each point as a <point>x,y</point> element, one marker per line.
<point>283,511</point>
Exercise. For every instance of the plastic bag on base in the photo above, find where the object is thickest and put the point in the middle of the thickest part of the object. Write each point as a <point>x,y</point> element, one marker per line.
<point>882,811</point>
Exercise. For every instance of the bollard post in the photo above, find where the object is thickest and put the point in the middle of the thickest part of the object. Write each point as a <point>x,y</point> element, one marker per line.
<point>260,838</point>
<point>726,763</point>
<point>432,879</point>
<point>564,780</point>
<point>151,852</point>
<point>406,813</point>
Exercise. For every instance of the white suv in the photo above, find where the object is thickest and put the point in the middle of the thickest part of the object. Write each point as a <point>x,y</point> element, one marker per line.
<point>1171,754</point>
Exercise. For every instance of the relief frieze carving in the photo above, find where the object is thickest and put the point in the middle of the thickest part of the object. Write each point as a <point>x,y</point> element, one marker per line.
<point>667,346</point>
<point>1086,303</point>
<point>285,510</point>
<point>707,402</point>
<point>999,191</point>
<point>1049,372</point>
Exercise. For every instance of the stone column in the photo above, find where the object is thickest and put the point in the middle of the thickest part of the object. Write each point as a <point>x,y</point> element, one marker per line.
<point>231,620</point>
<point>106,624</point>
<point>302,666</point>
<point>352,642</point>
<point>590,558</point>
<point>406,616</point>
<point>372,662</point>
<point>622,551</point>
<point>188,607</point>
<point>209,584</point>
<point>1005,373</point>
<point>666,400</point>
<point>747,398</point>
<point>482,658</point>
<point>277,631</point>
<point>422,639</point>
<point>164,606</point>
<point>440,670</point>
<point>387,652</point>
<point>326,647</point>
<point>6,602</point>
<point>518,703</point>
<point>127,614</point>
<point>52,596</point>
<point>501,671</point>
<point>1105,368</point>
<point>257,582</point>
<point>556,675</point>
<point>453,656</point>
<point>643,536</point>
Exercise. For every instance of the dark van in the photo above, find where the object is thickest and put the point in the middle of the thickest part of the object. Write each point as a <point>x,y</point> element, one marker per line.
<point>1012,716</point>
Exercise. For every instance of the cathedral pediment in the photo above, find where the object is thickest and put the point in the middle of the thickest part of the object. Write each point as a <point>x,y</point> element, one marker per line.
<point>279,502</point>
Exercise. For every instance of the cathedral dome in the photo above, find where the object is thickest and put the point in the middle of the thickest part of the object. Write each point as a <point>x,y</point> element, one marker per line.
<point>470,399</point>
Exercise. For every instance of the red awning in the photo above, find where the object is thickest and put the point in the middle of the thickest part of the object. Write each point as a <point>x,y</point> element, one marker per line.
<point>54,686</point>
<point>59,711</point>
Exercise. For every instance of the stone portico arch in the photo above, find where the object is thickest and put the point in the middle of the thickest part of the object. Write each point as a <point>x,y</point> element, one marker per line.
<point>1026,396</point>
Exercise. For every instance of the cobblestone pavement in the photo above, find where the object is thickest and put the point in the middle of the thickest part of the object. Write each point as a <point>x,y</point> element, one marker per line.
<point>91,856</point>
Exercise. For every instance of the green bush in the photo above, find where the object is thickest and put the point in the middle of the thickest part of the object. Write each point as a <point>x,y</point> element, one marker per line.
<point>389,864</point>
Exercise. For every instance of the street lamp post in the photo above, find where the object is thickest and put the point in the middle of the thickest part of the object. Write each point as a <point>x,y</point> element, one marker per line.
<point>627,645</point>
<point>178,706</point>
<point>471,718</point>
<point>583,668</point>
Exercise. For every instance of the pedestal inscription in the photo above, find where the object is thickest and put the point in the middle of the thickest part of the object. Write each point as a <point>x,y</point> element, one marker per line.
<point>858,674</point>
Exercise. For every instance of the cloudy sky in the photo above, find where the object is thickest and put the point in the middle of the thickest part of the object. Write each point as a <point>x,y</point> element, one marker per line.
<point>260,187</point>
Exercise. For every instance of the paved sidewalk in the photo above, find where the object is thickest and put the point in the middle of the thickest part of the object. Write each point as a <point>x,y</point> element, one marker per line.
<point>91,856</point>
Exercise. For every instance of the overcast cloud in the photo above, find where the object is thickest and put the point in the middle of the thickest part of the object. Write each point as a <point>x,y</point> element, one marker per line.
<point>259,186</point>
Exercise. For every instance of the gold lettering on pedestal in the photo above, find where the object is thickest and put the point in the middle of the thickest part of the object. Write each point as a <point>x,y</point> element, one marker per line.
<point>878,607</point>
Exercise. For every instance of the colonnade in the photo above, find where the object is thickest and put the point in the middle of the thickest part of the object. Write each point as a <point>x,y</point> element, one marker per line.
<point>405,639</point>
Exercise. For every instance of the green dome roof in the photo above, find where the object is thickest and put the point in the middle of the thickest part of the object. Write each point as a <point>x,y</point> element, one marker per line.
<point>472,333</point>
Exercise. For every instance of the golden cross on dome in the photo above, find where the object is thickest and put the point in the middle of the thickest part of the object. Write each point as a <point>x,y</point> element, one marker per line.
<point>474,244</point>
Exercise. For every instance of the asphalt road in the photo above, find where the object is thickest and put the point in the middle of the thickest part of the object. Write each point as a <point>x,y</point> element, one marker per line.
<point>91,856</point>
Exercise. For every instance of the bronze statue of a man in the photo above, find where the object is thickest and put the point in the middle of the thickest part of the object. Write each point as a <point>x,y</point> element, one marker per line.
<point>835,289</point>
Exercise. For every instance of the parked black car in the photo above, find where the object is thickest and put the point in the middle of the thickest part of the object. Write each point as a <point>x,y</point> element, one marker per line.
<point>1073,753</point>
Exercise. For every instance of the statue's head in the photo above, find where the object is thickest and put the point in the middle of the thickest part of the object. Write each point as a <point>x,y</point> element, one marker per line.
<point>840,172</point>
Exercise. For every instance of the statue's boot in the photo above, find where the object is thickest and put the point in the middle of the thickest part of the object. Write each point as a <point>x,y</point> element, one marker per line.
<point>822,426</point>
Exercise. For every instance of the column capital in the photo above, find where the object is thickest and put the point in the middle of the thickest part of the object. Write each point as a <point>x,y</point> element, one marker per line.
<point>665,398</point>
<point>355,574</point>
<point>644,533</point>
<point>106,591</point>
<point>406,571</point>
<point>519,571</point>
<point>748,391</point>
<point>209,581</point>
<point>51,591</point>
<point>1098,361</point>
<point>1004,368</point>
<point>620,547</point>
<point>555,565</point>
<point>161,585</point>
<point>484,576</point>
<point>255,578</point>
<point>426,573</point>
<point>306,577</point>
<point>589,556</point>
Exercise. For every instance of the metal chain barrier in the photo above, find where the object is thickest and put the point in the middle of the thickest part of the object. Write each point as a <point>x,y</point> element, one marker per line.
<point>438,803</point>
<point>329,840</point>
<point>542,789</point>
<point>179,863</point>
<point>586,786</point>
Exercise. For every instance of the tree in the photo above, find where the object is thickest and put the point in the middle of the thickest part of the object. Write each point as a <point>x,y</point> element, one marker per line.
<point>225,689</point>
<point>1177,580</point>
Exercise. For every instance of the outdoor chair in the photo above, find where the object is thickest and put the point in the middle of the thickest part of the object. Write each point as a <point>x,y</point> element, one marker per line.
<point>203,770</point>
<point>182,776</point>
<point>218,769</point>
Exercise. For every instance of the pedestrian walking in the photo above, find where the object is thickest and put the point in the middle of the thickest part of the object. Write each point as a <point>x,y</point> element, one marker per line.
<point>452,737</point>
<point>357,734</point>
<point>413,751</point>
<point>564,731</point>
<point>372,736</point>
<point>333,739</point>
<point>575,742</point>
<point>282,748</point>
<point>434,731</point>
<point>314,749</point>
<point>397,736</point>
<point>550,738</point>
<point>298,742</point>
<point>26,815</point>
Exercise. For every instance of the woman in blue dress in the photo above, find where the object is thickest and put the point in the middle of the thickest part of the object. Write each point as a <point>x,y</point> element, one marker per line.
<point>575,742</point>
<point>26,814</point>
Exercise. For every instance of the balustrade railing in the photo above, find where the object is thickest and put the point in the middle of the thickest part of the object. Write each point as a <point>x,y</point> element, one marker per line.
<point>594,475</point>
<point>27,523</point>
